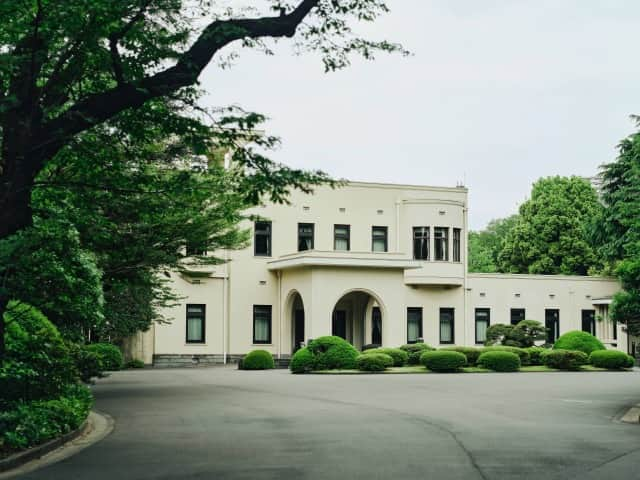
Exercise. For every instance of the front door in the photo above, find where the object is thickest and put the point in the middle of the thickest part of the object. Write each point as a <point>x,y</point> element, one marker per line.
<point>298,329</point>
<point>589,321</point>
<point>552,322</point>
<point>339,324</point>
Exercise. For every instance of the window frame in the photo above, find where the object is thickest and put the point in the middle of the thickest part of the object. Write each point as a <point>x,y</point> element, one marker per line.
<point>456,245</point>
<point>420,324</point>
<point>453,325</point>
<point>556,333</point>
<point>446,244</point>
<point>269,341</point>
<point>346,237</point>
<point>425,232</point>
<point>313,235</point>
<point>203,324</point>
<point>592,320</point>
<point>380,228</point>
<point>269,236</point>
<point>524,315</point>
<point>475,317</point>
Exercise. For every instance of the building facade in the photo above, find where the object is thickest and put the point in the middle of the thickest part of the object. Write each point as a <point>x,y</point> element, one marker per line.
<point>373,263</point>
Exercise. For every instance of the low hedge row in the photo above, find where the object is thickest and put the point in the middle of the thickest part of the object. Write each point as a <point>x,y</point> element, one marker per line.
<point>414,350</point>
<point>443,360</point>
<point>472,353</point>
<point>499,361</point>
<point>374,362</point>
<point>564,359</point>
<point>611,359</point>
<point>400,357</point>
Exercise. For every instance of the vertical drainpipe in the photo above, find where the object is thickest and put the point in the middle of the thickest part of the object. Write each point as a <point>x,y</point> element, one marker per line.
<point>466,267</point>
<point>225,305</point>
<point>279,273</point>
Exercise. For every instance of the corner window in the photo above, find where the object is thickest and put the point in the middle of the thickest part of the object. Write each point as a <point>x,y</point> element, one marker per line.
<point>456,244</point>
<point>342,237</point>
<point>262,239</point>
<point>414,324</point>
<point>262,324</point>
<point>589,321</point>
<point>305,236</point>
<point>441,246</point>
<point>446,325</point>
<point>195,323</point>
<point>483,320</point>
<point>552,323</point>
<point>421,243</point>
<point>517,315</point>
<point>379,239</point>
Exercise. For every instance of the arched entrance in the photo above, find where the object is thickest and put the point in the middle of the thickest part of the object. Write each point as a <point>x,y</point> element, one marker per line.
<point>297,321</point>
<point>357,317</point>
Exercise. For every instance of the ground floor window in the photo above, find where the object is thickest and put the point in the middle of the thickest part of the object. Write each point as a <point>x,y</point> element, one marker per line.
<point>376,326</point>
<point>446,325</point>
<point>589,321</point>
<point>482,323</point>
<point>414,324</point>
<point>195,323</point>
<point>262,324</point>
<point>517,315</point>
<point>552,323</point>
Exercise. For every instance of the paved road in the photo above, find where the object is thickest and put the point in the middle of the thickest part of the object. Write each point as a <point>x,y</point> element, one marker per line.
<point>220,423</point>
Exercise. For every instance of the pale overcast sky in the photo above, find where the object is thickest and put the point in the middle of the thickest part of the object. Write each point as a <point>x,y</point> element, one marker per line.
<point>498,93</point>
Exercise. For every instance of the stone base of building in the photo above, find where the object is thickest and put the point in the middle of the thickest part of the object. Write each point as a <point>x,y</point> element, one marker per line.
<point>204,360</point>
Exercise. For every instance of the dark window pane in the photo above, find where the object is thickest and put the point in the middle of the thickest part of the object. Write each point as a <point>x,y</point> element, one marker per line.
<point>483,320</point>
<point>339,324</point>
<point>589,321</point>
<point>446,325</point>
<point>376,326</point>
<point>305,236</point>
<point>195,323</point>
<point>341,237</point>
<point>379,239</point>
<point>441,240</point>
<point>414,324</point>
<point>262,324</point>
<point>421,243</point>
<point>517,315</point>
<point>456,244</point>
<point>262,239</point>
<point>552,323</point>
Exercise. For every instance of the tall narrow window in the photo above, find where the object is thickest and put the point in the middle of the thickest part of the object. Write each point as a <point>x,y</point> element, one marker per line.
<point>483,320</point>
<point>379,239</point>
<point>376,326</point>
<point>447,325</point>
<point>517,315</point>
<point>305,236</point>
<point>552,323</point>
<point>456,244</point>
<point>195,323</point>
<point>589,321</point>
<point>262,239</point>
<point>262,324</point>
<point>441,237</point>
<point>414,324</point>
<point>421,243</point>
<point>341,237</point>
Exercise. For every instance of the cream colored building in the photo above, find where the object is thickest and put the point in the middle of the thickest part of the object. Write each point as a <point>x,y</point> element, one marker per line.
<point>374,263</point>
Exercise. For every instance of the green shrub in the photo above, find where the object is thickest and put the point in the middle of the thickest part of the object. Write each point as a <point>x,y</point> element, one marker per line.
<point>86,361</point>
<point>374,362</point>
<point>471,353</point>
<point>332,353</point>
<point>302,361</point>
<point>110,356</point>
<point>564,359</point>
<point>443,360</point>
<point>499,361</point>
<point>611,359</point>
<point>534,355</point>
<point>521,352</point>
<point>258,360</point>
<point>134,363</point>
<point>522,335</point>
<point>578,340</point>
<point>400,357</point>
<point>414,350</point>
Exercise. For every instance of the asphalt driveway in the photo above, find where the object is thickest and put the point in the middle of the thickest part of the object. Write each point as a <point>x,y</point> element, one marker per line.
<point>221,423</point>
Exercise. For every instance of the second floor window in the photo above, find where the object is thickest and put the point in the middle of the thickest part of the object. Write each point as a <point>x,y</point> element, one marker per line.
<point>262,239</point>
<point>456,244</point>
<point>441,243</point>
<point>421,243</point>
<point>379,239</point>
<point>341,237</point>
<point>305,236</point>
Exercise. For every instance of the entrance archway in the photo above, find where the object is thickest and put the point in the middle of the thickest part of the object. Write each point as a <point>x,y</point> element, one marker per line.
<point>357,317</point>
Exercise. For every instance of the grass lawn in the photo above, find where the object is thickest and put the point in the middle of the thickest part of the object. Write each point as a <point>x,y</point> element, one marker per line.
<point>421,369</point>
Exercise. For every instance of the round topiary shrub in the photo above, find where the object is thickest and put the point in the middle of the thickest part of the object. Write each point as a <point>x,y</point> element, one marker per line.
<point>534,355</point>
<point>611,359</point>
<point>443,360</point>
<point>302,361</point>
<point>564,359</point>
<point>374,362</point>
<point>400,357</point>
<point>578,340</point>
<point>521,352</point>
<point>471,353</point>
<point>499,361</point>
<point>414,350</point>
<point>333,353</point>
<point>258,360</point>
<point>110,356</point>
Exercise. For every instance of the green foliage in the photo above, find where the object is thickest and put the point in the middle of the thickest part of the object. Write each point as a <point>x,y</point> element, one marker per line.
<point>399,356</point>
<point>333,352</point>
<point>551,234</point>
<point>485,246</point>
<point>564,359</point>
<point>134,363</point>
<point>258,360</point>
<point>471,353</point>
<point>522,335</point>
<point>578,340</point>
<point>535,355</point>
<point>87,362</point>
<point>374,362</point>
<point>522,353</point>
<point>499,361</point>
<point>611,359</point>
<point>443,360</point>
<point>414,350</point>
<point>109,355</point>
<point>303,361</point>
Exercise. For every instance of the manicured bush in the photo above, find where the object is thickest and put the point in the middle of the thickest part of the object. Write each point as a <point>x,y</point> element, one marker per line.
<point>87,362</point>
<point>521,352</point>
<point>134,363</point>
<point>374,362</point>
<point>110,356</point>
<point>471,353</point>
<point>534,355</point>
<point>564,359</point>
<point>443,360</point>
<point>400,357</point>
<point>578,340</point>
<point>302,361</point>
<point>258,360</point>
<point>414,350</point>
<point>500,361</point>
<point>611,359</point>
<point>332,353</point>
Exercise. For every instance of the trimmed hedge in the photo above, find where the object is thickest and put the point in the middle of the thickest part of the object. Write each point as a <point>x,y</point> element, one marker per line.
<point>500,361</point>
<point>611,359</point>
<point>87,362</point>
<point>578,340</point>
<point>414,350</point>
<point>534,355</point>
<point>443,360</point>
<point>258,360</point>
<point>564,359</point>
<point>471,353</point>
<point>110,356</point>
<point>400,357</point>
<point>302,361</point>
<point>521,352</point>
<point>374,362</point>
<point>332,353</point>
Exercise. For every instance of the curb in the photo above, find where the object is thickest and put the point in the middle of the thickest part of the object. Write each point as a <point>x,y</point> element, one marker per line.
<point>632,415</point>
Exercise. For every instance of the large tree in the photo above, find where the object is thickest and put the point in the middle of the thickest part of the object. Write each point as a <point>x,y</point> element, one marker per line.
<point>485,245</point>
<point>67,66</point>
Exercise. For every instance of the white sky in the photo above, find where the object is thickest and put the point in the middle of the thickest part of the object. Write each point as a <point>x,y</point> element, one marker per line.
<point>498,93</point>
